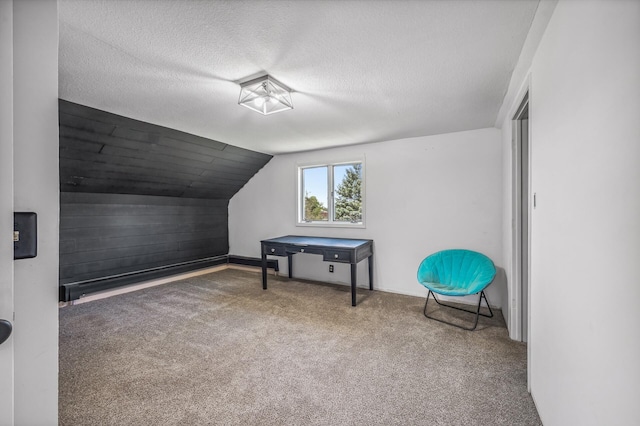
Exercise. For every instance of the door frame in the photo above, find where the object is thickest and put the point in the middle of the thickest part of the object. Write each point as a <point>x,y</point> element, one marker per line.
<point>523,99</point>
<point>518,156</point>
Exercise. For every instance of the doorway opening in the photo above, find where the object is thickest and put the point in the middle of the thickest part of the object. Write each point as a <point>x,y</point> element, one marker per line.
<point>522,222</point>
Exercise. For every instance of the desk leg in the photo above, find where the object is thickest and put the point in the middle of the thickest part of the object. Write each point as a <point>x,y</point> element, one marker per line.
<point>264,271</point>
<point>290,259</point>
<point>371,272</point>
<point>353,283</point>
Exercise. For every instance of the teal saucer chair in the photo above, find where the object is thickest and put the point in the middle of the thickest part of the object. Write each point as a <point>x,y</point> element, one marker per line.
<point>457,273</point>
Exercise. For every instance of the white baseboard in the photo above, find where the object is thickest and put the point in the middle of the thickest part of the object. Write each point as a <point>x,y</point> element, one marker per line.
<point>139,286</point>
<point>152,283</point>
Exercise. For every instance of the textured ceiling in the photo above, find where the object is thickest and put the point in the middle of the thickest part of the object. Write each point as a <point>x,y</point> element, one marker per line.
<point>362,71</point>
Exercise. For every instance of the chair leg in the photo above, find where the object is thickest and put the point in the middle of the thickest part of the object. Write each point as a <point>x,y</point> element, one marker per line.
<point>476,312</point>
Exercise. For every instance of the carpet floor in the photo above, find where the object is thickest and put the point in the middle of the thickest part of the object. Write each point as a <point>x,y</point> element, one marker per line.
<point>218,350</point>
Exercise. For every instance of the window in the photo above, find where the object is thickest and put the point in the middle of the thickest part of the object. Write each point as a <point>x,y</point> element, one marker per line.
<point>331,194</point>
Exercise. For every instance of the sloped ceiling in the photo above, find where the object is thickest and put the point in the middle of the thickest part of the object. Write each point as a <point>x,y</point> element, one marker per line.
<point>362,71</point>
<point>102,152</point>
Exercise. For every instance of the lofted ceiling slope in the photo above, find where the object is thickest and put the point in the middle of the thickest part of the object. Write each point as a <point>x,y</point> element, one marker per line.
<point>361,71</point>
<point>102,152</point>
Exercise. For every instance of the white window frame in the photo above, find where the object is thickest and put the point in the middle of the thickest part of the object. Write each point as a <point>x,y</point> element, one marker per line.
<point>330,223</point>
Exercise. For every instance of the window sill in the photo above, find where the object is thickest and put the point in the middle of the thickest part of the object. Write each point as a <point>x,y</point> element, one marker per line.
<point>330,225</point>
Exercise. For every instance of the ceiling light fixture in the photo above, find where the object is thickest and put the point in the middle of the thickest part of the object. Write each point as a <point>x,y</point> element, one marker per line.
<point>265,95</point>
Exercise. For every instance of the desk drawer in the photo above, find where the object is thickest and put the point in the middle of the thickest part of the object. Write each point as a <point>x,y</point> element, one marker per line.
<point>304,249</point>
<point>275,250</point>
<point>342,256</point>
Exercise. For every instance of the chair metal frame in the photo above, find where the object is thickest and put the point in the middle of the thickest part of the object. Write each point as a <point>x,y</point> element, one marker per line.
<point>477,311</point>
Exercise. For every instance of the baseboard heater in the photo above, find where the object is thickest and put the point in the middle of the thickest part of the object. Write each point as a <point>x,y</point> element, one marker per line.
<point>73,291</point>
<point>253,261</point>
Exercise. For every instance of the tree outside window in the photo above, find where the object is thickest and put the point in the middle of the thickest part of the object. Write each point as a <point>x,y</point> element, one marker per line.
<point>313,209</point>
<point>348,195</point>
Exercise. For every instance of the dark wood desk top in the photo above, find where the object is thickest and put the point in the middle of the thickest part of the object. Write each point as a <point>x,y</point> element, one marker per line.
<point>347,243</point>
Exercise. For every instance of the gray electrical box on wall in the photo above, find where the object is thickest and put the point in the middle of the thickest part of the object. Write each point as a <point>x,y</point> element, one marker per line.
<point>25,235</point>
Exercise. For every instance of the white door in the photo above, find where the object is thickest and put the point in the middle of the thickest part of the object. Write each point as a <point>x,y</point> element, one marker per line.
<point>6,207</point>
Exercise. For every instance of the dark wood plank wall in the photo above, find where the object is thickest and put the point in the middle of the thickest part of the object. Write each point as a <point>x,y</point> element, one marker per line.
<point>135,195</point>
<point>102,152</point>
<point>103,235</point>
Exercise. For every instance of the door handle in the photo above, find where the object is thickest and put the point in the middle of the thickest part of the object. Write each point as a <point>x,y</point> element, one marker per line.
<point>5,330</point>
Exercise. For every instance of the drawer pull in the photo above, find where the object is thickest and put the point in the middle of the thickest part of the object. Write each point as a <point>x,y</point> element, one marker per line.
<point>335,256</point>
<point>273,250</point>
<point>301,250</point>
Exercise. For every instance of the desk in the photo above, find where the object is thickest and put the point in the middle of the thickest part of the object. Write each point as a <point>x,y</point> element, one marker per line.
<point>340,250</point>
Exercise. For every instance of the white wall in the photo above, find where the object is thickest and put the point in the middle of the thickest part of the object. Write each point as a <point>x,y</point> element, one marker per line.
<point>6,206</point>
<point>35,109</point>
<point>585,136</point>
<point>422,195</point>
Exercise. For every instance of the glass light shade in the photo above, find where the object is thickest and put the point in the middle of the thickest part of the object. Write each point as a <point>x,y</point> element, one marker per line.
<point>265,95</point>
